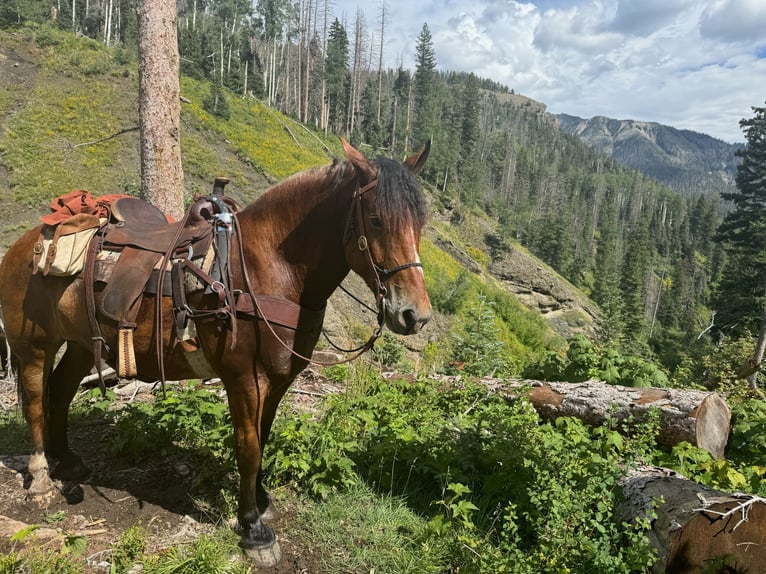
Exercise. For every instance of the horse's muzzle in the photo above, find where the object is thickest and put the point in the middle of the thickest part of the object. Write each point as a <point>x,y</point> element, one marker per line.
<point>407,320</point>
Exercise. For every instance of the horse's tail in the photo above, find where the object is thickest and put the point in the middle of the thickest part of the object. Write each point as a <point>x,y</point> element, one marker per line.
<point>8,363</point>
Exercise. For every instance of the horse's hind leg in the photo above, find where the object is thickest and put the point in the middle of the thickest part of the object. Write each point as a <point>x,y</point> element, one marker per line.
<point>62,387</point>
<point>32,370</point>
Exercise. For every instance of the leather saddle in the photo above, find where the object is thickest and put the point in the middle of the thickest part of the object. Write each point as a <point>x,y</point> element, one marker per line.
<point>142,236</point>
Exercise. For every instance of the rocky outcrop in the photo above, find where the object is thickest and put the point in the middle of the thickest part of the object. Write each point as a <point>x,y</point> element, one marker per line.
<point>539,287</point>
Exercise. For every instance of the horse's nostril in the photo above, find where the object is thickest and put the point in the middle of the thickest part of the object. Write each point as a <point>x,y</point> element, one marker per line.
<point>410,318</point>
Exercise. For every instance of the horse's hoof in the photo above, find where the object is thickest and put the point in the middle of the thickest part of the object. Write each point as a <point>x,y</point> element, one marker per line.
<point>41,484</point>
<point>264,556</point>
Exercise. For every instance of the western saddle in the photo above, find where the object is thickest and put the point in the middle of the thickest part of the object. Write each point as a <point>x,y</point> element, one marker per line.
<point>138,252</point>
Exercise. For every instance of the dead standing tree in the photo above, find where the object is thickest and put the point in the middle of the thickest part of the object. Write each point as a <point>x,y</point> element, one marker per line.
<point>159,101</point>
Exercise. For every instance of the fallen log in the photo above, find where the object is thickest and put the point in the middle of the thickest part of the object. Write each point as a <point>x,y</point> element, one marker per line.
<point>696,529</point>
<point>700,418</point>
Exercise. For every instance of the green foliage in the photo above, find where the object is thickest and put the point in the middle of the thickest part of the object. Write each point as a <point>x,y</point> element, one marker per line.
<point>747,444</point>
<point>359,531</point>
<point>217,103</point>
<point>740,294</point>
<point>504,488</point>
<point>722,367</point>
<point>207,554</point>
<point>129,549</point>
<point>453,290</point>
<point>700,466</point>
<point>476,343</point>
<point>585,361</point>
<point>309,452</point>
<point>9,563</point>
<point>189,423</point>
<point>256,132</point>
<point>388,350</point>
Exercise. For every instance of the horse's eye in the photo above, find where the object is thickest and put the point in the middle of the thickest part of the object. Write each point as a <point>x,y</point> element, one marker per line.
<point>376,222</point>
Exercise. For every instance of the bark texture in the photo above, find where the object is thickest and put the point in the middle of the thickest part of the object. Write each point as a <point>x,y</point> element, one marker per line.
<point>697,529</point>
<point>699,417</point>
<point>160,106</point>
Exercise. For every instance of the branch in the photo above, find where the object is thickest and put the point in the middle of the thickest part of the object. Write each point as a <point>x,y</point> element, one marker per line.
<point>744,508</point>
<point>107,138</point>
<point>284,125</point>
<point>712,322</point>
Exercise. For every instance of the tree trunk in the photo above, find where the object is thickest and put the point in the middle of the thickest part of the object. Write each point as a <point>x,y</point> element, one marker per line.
<point>700,418</point>
<point>760,347</point>
<point>159,101</point>
<point>697,529</point>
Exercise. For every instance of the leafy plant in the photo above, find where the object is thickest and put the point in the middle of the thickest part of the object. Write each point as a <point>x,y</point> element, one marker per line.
<point>128,549</point>
<point>476,342</point>
<point>195,425</point>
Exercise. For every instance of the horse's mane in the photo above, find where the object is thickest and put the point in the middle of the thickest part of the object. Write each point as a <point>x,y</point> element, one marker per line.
<point>400,200</point>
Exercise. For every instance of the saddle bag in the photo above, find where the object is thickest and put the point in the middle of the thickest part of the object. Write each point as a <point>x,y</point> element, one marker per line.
<point>61,248</point>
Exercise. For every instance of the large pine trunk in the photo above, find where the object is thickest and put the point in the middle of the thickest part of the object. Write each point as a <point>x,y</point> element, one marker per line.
<point>159,103</point>
<point>700,418</point>
<point>697,529</point>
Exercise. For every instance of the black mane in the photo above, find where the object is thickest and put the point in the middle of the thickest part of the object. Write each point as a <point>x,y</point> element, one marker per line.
<point>399,197</point>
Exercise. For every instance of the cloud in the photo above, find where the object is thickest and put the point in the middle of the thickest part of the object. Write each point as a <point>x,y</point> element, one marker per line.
<point>647,16</point>
<point>735,21</point>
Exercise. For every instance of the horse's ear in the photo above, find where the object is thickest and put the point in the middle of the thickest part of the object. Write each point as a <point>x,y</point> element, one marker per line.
<point>417,161</point>
<point>357,159</point>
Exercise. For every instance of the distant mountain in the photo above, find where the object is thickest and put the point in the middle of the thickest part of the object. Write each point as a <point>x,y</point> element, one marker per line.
<point>687,161</point>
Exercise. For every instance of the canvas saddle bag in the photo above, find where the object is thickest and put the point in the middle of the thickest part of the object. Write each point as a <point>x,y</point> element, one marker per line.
<point>61,248</point>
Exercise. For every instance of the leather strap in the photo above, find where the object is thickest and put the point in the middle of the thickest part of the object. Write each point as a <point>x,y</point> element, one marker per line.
<point>90,304</point>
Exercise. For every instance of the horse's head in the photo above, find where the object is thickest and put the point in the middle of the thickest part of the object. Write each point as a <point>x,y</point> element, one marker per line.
<point>383,237</point>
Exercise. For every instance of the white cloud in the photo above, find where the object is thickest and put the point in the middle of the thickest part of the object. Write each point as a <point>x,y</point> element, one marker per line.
<point>688,63</point>
<point>740,21</point>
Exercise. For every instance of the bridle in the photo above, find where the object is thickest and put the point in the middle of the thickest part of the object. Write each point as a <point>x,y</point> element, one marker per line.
<point>355,226</point>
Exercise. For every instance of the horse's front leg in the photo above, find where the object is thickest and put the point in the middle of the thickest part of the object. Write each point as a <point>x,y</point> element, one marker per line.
<point>247,397</point>
<point>63,383</point>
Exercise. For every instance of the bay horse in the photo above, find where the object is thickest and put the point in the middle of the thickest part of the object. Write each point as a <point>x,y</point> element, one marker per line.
<point>294,245</point>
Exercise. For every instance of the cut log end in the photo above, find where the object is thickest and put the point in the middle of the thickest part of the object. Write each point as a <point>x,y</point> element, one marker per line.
<point>713,424</point>
<point>696,528</point>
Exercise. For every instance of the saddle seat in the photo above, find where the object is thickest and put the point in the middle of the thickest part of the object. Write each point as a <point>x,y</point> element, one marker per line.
<point>142,236</point>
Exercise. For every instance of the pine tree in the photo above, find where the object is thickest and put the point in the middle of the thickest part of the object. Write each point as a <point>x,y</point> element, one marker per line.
<point>635,266</point>
<point>337,75</point>
<point>743,232</point>
<point>424,87</point>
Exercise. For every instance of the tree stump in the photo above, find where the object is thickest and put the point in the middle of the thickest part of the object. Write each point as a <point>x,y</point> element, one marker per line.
<point>697,529</point>
<point>700,418</point>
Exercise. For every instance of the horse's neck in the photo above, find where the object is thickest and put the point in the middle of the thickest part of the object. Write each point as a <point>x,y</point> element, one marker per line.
<point>297,240</point>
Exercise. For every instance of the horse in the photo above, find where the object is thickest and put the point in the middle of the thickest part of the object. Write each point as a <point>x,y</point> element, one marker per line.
<point>292,248</point>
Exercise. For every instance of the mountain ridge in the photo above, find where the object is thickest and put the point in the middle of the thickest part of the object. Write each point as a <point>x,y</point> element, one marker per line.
<point>689,162</point>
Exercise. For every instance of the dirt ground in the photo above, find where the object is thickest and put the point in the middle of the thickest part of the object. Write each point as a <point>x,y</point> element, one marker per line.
<point>117,496</point>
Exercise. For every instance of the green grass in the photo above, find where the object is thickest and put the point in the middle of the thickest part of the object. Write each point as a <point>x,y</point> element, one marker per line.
<point>360,531</point>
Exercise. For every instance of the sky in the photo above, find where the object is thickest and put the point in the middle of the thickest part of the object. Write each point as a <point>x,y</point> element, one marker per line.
<point>691,64</point>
